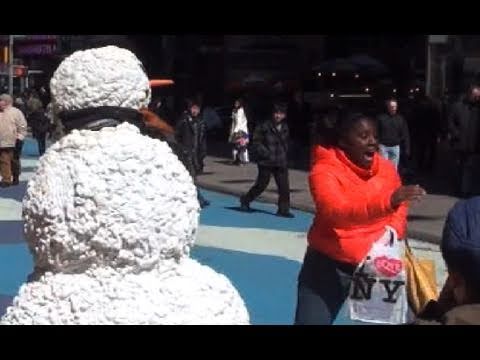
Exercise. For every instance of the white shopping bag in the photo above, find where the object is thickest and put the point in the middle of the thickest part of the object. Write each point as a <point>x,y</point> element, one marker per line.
<point>378,291</point>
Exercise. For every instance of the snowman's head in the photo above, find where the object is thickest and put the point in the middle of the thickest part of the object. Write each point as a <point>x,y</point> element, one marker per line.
<point>111,197</point>
<point>106,76</point>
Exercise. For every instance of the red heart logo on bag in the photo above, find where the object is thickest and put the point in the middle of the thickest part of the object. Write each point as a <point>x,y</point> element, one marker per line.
<point>387,266</point>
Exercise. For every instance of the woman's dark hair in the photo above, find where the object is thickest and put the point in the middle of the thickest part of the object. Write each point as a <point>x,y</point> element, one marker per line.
<point>346,121</point>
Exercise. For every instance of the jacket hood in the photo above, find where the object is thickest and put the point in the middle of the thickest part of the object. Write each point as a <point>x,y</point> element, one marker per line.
<point>334,156</point>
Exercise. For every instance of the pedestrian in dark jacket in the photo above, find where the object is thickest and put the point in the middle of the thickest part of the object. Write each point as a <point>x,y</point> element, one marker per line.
<point>464,127</point>
<point>393,132</point>
<point>190,133</point>
<point>270,144</point>
<point>426,130</point>
<point>40,124</point>
<point>459,301</point>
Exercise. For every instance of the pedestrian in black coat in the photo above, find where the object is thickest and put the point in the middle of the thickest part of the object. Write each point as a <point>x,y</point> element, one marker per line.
<point>40,124</point>
<point>270,144</point>
<point>190,134</point>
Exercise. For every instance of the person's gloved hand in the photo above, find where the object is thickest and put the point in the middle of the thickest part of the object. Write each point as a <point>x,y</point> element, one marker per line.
<point>154,122</point>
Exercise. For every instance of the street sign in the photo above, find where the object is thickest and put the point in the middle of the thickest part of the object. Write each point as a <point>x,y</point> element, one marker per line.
<point>35,49</point>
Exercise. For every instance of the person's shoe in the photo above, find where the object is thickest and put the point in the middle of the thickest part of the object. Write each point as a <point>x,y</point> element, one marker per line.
<point>244,205</point>
<point>15,182</point>
<point>285,214</point>
<point>4,184</point>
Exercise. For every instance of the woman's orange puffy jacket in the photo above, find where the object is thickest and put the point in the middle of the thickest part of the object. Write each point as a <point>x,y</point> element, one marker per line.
<point>352,204</point>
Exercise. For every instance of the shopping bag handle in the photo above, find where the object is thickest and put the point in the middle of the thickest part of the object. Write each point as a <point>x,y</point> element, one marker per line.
<point>407,246</point>
<point>393,235</point>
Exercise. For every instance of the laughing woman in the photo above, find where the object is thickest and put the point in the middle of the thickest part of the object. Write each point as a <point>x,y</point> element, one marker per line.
<point>356,193</point>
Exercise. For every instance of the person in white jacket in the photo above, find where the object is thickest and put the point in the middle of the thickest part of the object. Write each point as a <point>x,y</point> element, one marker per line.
<point>239,133</point>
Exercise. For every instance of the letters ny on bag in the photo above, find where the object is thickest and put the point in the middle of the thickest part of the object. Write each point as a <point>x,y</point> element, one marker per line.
<point>363,282</point>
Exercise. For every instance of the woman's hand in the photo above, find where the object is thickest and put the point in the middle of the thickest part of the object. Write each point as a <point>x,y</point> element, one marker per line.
<point>406,193</point>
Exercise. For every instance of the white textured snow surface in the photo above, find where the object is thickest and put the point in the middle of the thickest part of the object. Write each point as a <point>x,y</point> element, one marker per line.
<point>106,76</point>
<point>183,293</point>
<point>110,217</point>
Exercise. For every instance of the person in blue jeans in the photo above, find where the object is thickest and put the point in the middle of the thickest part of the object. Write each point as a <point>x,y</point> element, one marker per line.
<point>392,132</point>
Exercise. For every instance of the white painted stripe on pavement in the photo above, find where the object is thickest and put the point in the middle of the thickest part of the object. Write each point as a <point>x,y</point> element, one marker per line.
<point>290,245</point>
<point>10,210</point>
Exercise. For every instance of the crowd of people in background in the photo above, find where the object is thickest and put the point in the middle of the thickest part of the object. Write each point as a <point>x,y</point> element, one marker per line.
<point>20,115</point>
<point>409,133</point>
<point>409,130</point>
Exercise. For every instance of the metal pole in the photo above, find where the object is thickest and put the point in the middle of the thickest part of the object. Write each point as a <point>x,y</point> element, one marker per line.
<point>10,66</point>
<point>429,68</point>
<point>444,79</point>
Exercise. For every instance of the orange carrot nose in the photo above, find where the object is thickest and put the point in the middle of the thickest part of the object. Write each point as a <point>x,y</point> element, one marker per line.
<point>161,82</point>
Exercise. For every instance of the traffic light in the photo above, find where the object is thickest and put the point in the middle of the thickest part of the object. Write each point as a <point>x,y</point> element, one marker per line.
<point>5,54</point>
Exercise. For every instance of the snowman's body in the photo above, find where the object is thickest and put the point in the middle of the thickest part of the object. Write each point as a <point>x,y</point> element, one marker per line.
<point>110,217</point>
<point>186,294</point>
